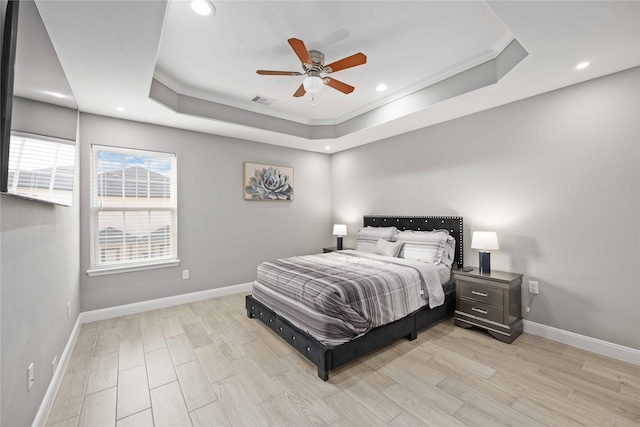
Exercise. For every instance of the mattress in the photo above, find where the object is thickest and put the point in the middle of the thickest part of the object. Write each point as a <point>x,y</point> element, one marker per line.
<point>339,296</point>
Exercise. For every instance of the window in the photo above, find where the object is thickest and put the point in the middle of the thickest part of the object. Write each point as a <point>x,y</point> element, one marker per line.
<point>41,168</point>
<point>133,209</point>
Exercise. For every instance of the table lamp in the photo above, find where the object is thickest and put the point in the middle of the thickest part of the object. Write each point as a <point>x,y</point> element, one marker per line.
<point>339,230</point>
<point>484,241</point>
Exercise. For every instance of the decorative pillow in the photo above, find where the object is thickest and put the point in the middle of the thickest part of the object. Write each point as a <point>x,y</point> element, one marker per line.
<point>368,237</point>
<point>449,252</point>
<point>424,246</point>
<point>387,248</point>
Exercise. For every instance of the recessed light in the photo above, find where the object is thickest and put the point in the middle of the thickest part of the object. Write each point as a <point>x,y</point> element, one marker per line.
<point>326,147</point>
<point>121,109</point>
<point>583,65</point>
<point>203,7</point>
<point>381,87</point>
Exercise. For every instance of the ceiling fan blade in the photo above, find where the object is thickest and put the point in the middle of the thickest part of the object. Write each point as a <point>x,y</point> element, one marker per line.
<point>338,85</point>
<point>300,92</point>
<point>301,50</point>
<point>348,62</point>
<point>278,73</point>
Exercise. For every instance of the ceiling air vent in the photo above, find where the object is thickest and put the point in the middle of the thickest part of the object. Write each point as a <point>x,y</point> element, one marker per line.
<point>262,100</point>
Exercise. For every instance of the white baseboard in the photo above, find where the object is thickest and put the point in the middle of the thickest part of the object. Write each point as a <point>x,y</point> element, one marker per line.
<point>111,312</point>
<point>49,397</point>
<point>594,345</point>
<point>154,304</point>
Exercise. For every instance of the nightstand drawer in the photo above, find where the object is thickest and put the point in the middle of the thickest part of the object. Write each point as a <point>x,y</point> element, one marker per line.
<point>483,294</point>
<point>484,311</point>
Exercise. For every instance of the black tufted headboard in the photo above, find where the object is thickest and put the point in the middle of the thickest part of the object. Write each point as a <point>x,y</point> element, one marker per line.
<point>424,223</point>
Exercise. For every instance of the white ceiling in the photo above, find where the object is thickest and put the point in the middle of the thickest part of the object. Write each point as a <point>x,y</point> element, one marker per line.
<point>111,52</point>
<point>38,73</point>
<point>405,51</point>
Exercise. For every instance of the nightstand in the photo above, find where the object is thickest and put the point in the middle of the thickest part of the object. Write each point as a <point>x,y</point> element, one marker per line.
<point>333,249</point>
<point>489,301</point>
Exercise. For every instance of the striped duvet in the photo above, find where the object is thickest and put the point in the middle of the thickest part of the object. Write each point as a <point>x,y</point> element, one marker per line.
<point>338,296</point>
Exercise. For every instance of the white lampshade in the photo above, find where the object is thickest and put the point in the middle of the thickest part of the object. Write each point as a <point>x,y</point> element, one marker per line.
<point>339,229</point>
<point>484,240</point>
<point>312,84</point>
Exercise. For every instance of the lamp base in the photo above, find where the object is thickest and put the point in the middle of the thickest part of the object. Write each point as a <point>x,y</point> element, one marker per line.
<point>485,263</point>
<point>339,243</point>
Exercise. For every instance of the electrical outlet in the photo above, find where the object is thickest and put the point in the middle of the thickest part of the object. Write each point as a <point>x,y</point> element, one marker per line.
<point>30,378</point>
<point>185,274</point>
<point>69,310</point>
<point>533,287</point>
<point>54,365</point>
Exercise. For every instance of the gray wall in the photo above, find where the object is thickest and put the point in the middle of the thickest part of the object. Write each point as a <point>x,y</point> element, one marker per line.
<point>39,274</point>
<point>39,269</point>
<point>221,237</point>
<point>556,175</point>
<point>45,119</point>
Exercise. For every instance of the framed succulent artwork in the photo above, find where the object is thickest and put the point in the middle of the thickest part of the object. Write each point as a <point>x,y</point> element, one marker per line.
<point>267,182</point>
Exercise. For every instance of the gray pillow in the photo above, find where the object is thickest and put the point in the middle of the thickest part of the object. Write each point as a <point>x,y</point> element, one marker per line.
<point>387,248</point>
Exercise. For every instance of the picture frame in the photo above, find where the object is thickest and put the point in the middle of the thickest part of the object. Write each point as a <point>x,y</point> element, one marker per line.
<point>263,182</point>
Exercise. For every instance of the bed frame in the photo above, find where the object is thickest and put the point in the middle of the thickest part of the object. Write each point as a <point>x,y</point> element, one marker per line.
<point>327,359</point>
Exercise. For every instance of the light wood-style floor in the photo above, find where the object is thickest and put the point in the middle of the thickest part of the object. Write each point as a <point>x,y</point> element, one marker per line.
<point>207,364</point>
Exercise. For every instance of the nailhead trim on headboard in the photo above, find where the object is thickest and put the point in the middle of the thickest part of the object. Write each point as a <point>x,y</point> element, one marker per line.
<point>424,223</point>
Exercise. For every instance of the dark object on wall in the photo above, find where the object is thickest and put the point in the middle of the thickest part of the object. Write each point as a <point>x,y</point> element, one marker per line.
<point>7,71</point>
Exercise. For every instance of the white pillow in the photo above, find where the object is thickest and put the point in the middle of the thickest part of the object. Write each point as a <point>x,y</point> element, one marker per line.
<point>424,246</point>
<point>449,253</point>
<point>387,248</point>
<point>367,238</point>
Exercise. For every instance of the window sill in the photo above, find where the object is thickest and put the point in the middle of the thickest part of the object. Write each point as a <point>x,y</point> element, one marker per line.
<point>130,268</point>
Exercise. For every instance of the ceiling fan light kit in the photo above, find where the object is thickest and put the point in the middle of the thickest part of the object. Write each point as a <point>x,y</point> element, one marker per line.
<point>315,70</point>
<point>312,84</point>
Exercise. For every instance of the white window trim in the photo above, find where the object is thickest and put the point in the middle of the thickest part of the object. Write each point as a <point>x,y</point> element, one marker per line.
<point>123,268</point>
<point>129,268</point>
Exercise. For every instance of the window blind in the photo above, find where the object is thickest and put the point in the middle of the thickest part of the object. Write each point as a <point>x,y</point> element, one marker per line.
<point>133,207</point>
<point>41,168</point>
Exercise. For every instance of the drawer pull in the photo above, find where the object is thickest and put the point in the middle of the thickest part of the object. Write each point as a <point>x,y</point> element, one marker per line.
<point>293,338</point>
<point>479,310</point>
<point>481,294</point>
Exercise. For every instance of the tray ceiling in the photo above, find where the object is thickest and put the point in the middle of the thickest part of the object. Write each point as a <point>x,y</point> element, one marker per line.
<point>164,64</point>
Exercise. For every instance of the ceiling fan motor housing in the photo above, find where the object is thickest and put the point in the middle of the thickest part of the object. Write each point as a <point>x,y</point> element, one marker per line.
<point>318,61</point>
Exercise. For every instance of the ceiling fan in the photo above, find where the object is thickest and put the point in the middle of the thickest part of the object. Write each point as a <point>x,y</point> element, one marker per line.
<point>315,70</point>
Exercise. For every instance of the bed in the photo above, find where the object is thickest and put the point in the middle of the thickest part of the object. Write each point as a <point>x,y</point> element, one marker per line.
<point>330,346</point>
